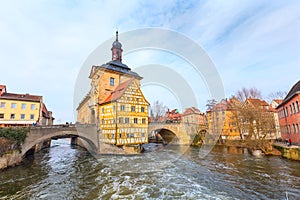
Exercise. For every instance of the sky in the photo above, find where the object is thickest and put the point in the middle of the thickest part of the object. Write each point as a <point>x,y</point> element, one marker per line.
<point>43,44</point>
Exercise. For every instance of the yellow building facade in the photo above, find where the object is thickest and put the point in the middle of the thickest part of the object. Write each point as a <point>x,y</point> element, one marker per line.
<point>222,119</point>
<point>115,103</point>
<point>22,109</point>
<point>124,117</point>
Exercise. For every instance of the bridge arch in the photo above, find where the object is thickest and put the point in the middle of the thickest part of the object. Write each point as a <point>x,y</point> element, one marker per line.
<point>36,136</point>
<point>167,135</point>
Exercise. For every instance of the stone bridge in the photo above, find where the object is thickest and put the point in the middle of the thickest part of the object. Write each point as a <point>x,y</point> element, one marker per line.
<point>176,133</point>
<point>37,136</point>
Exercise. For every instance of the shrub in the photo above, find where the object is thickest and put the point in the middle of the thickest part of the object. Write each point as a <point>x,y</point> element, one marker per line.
<point>12,138</point>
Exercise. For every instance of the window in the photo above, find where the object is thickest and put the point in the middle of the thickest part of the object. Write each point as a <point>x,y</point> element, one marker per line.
<point>112,81</point>
<point>297,128</point>
<point>122,108</point>
<point>127,120</point>
<point>297,106</point>
<point>22,116</point>
<point>120,135</point>
<point>132,108</point>
<point>135,120</point>
<point>12,116</point>
<point>102,121</point>
<point>114,108</point>
<point>143,121</point>
<point>142,109</point>
<point>294,109</point>
<point>23,106</point>
<point>32,116</point>
<point>121,120</point>
<point>13,105</point>
<point>33,106</point>
<point>1,116</point>
<point>102,110</point>
<point>294,128</point>
<point>2,105</point>
<point>143,134</point>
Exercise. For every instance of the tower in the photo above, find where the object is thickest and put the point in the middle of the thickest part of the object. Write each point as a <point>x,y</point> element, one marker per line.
<point>117,49</point>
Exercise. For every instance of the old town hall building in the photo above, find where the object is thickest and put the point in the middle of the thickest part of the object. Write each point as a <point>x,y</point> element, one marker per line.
<point>116,103</point>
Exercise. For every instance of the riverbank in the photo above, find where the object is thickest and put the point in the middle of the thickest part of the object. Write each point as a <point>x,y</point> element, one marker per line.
<point>268,150</point>
<point>10,145</point>
<point>290,152</point>
<point>10,159</point>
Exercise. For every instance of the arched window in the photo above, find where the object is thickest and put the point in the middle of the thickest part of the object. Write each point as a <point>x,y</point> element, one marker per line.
<point>294,128</point>
<point>297,106</point>
<point>294,109</point>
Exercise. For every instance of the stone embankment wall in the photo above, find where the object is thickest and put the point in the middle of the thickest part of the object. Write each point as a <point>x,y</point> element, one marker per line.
<point>292,152</point>
<point>10,159</point>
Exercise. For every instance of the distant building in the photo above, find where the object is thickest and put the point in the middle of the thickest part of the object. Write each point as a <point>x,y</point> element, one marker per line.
<point>222,119</point>
<point>273,106</point>
<point>22,109</point>
<point>115,102</point>
<point>289,115</point>
<point>193,116</point>
<point>173,116</point>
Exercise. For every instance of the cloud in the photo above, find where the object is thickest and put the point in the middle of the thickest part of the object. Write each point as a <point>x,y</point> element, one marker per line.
<point>44,43</point>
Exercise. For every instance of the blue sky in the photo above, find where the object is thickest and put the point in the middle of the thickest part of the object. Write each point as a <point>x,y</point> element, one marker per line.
<point>44,43</point>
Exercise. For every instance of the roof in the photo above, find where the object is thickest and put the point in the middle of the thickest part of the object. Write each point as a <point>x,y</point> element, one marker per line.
<point>294,90</point>
<point>115,66</point>
<point>257,102</point>
<point>192,110</point>
<point>118,92</point>
<point>279,101</point>
<point>86,98</point>
<point>21,97</point>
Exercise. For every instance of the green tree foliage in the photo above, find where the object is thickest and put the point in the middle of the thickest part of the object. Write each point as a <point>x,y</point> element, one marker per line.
<point>11,138</point>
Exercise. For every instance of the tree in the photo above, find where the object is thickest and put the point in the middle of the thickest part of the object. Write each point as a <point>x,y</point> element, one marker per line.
<point>276,95</point>
<point>157,111</point>
<point>254,122</point>
<point>245,93</point>
<point>210,104</point>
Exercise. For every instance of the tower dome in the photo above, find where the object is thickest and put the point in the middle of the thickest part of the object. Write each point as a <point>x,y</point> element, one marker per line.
<point>117,49</point>
<point>116,43</point>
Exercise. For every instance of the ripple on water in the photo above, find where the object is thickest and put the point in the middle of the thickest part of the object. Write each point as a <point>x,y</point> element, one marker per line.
<point>71,173</point>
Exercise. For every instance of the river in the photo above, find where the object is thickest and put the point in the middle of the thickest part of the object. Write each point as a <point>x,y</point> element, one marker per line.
<point>163,172</point>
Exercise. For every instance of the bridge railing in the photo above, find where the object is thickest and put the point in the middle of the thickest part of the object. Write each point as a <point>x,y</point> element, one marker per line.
<point>55,126</point>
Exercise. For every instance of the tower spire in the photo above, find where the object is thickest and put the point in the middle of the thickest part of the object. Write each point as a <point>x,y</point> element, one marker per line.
<point>117,49</point>
<point>117,35</point>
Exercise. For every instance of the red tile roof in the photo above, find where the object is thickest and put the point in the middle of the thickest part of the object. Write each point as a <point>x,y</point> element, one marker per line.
<point>190,111</point>
<point>21,97</point>
<point>118,92</point>
<point>257,102</point>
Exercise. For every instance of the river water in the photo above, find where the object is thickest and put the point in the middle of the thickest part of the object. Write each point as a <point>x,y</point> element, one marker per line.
<point>163,172</point>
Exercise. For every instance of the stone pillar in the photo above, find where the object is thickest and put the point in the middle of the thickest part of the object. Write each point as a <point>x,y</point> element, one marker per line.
<point>74,141</point>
